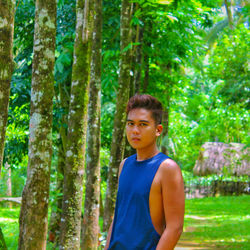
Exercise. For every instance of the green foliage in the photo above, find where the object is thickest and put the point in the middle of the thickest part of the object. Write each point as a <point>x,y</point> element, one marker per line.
<point>229,66</point>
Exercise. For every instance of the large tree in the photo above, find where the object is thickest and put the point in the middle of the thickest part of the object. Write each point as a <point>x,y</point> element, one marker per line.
<point>35,197</point>
<point>77,124</point>
<point>6,65</point>
<point>90,225</point>
<point>117,146</point>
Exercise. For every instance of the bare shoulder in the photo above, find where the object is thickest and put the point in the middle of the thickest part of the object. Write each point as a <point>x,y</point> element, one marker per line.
<point>170,170</point>
<point>121,166</point>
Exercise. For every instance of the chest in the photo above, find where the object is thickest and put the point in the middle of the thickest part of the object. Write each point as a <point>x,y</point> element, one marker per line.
<point>139,181</point>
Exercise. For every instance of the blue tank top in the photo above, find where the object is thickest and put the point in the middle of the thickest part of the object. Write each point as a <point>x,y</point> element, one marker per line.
<point>132,227</point>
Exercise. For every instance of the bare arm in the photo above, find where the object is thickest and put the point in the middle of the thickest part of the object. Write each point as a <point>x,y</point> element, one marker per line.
<point>109,236</point>
<point>174,204</point>
<point>111,225</point>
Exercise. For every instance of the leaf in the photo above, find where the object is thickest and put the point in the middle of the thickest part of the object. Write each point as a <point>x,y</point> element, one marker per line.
<point>172,18</point>
<point>165,2</point>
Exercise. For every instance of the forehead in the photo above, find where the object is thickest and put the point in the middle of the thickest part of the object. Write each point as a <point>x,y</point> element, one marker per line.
<point>140,114</point>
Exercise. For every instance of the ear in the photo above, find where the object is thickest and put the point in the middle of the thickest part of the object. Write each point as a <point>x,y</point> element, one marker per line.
<point>159,129</point>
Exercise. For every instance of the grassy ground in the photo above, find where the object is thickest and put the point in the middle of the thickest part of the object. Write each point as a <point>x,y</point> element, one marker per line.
<point>211,223</point>
<point>221,222</point>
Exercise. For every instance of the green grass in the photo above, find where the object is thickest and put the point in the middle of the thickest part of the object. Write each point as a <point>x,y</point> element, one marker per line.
<point>216,222</point>
<point>9,224</point>
<point>221,222</point>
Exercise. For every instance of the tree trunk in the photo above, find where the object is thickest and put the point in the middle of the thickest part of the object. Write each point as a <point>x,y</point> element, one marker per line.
<point>147,45</point>
<point>6,65</point>
<point>138,58</point>
<point>146,74</point>
<point>9,187</point>
<point>35,197</point>
<point>229,13</point>
<point>117,145</point>
<point>75,149</point>
<point>55,219</point>
<point>165,123</point>
<point>90,230</point>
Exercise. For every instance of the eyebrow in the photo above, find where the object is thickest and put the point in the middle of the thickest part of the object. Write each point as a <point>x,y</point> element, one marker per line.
<point>139,121</point>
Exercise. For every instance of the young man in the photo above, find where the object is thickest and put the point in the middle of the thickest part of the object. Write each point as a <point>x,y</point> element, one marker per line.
<point>149,209</point>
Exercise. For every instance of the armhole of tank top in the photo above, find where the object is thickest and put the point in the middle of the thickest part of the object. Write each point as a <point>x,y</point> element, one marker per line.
<point>149,198</point>
<point>122,168</point>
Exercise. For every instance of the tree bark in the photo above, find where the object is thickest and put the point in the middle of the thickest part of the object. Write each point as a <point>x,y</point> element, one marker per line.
<point>6,65</point>
<point>9,186</point>
<point>35,197</point>
<point>229,13</point>
<point>90,230</point>
<point>55,219</point>
<point>146,58</point>
<point>165,123</point>
<point>138,58</point>
<point>117,145</point>
<point>146,74</point>
<point>77,123</point>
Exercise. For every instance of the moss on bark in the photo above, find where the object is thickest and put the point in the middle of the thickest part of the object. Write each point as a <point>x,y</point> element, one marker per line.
<point>35,195</point>
<point>77,124</point>
<point>6,65</point>
<point>117,146</point>
<point>90,225</point>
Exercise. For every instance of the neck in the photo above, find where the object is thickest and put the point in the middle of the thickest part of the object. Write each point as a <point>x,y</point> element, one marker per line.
<point>146,153</point>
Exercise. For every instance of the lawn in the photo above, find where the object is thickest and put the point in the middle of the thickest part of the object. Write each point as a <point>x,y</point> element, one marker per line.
<point>215,222</point>
<point>218,222</point>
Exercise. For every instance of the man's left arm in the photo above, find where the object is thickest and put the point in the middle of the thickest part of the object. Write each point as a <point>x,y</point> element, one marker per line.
<point>174,204</point>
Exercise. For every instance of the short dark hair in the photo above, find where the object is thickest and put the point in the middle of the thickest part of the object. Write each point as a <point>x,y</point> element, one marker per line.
<point>147,102</point>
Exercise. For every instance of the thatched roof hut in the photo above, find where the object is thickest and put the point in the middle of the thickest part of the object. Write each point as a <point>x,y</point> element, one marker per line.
<point>221,158</point>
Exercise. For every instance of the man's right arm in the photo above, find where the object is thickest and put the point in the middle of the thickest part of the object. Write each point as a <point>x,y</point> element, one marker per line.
<point>109,235</point>
<point>111,225</point>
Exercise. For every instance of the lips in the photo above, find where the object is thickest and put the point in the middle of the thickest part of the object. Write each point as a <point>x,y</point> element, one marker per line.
<point>136,139</point>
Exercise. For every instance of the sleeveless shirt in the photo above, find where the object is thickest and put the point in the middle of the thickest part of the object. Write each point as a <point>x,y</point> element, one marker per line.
<point>132,226</point>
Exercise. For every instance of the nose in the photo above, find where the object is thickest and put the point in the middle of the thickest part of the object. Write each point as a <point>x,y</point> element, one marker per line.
<point>135,130</point>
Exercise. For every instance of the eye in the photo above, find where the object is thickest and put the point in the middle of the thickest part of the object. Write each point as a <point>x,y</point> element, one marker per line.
<point>130,123</point>
<point>144,124</point>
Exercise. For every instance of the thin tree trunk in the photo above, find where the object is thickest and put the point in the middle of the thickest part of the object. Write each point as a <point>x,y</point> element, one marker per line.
<point>55,219</point>
<point>147,45</point>
<point>90,230</point>
<point>9,187</point>
<point>165,123</point>
<point>138,58</point>
<point>77,124</point>
<point>146,74</point>
<point>229,13</point>
<point>117,145</point>
<point>6,65</point>
<point>35,197</point>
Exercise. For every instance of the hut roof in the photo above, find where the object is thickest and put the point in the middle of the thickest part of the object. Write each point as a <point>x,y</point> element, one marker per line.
<point>221,158</point>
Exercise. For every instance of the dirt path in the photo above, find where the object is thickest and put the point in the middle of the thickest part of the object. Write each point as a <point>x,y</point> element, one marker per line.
<point>185,243</point>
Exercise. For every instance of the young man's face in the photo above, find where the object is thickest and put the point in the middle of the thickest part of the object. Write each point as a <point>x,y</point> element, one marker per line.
<point>141,128</point>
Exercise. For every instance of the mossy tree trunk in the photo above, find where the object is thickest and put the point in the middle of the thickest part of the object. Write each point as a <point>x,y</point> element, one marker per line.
<point>34,210</point>
<point>6,65</point>
<point>56,213</point>
<point>117,145</point>
<point>77,124</point>
<point>90,225</point>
